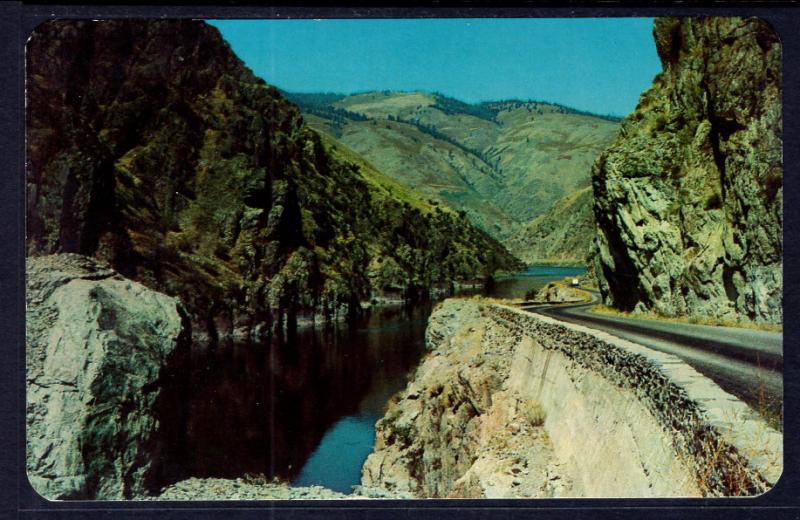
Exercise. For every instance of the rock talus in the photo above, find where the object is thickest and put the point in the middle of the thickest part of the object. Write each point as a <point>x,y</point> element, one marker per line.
<point>688,199</point>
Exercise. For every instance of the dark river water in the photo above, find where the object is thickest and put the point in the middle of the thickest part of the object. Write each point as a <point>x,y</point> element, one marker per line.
<point>305,410</point>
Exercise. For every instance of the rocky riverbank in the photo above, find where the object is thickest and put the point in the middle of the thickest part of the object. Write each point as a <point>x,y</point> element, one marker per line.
<point>241,489</point>
<point>461,429</point>
<point>509,404</point>
<point>260,488</point>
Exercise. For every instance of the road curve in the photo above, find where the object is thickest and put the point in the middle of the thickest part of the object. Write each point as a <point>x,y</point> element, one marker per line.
<point>746,363</point>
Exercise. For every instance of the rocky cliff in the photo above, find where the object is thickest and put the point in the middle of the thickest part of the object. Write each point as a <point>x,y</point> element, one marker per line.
<point>688,199</point>
<point>513,404</point>
<point>151,146</point>
<point>104,358</point>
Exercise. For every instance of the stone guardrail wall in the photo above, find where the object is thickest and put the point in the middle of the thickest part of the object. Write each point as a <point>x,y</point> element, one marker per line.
<point>727,447</point>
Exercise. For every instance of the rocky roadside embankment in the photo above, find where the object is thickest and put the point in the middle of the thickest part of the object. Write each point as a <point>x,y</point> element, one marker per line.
<point>510,404</point>
<point>461,428</point>
<point>556,292</point>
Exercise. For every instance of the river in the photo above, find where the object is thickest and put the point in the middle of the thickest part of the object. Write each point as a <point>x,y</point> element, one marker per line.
<point>304,410</point>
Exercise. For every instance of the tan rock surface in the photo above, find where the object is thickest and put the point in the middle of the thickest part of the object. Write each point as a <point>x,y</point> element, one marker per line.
<point>459,430</point>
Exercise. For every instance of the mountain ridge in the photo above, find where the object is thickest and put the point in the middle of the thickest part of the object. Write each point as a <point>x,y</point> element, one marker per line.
<point>318,99</point>
<point>505,163</point>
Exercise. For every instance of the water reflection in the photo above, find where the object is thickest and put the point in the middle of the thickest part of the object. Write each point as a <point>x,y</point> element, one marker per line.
<point>264,408</point>
<point>304,409</point>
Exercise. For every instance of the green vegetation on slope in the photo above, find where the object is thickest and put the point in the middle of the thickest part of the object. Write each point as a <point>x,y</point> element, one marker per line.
<point>541,106</point>
<point>437,169</point>
<point>560,235</point>
<point>504,163</point>
<point>151,146</point>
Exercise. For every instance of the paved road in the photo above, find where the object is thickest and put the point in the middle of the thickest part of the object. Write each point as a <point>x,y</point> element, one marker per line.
<point>746,363</point>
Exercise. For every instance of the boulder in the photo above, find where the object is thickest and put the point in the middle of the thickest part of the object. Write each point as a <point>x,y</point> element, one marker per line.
<point>103,359</point>
<point>555,292</point>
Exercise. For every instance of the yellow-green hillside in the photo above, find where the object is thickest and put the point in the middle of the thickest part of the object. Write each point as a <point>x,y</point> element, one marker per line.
<point>503,163</point>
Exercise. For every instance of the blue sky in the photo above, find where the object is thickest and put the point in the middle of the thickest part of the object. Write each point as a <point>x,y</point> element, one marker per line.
<point>595,64</point>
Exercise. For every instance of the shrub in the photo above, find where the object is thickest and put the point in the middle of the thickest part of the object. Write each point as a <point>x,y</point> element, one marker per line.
<point>676,172</point>
<point>773,183</point>
<point>660,123</point>
<point>533,413</point>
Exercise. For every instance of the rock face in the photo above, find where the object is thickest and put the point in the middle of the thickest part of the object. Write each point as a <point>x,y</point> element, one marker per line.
<point>513,404</point>
<point>151,146</point>
<point>688,199</point>
<point>103,367</point>
<point>461,429</point>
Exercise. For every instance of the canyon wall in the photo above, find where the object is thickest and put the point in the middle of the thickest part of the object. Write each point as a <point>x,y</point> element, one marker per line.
<point>511,404</point>
<point>688,199</point>
<point>151,146</point>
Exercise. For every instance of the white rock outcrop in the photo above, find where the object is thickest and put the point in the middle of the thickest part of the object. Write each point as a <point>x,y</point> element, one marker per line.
<point>101,353</point>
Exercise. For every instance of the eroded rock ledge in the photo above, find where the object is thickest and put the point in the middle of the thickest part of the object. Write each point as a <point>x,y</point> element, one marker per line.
<point>619,420</point>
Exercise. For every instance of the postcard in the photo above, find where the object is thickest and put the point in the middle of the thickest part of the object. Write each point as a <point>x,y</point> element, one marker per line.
<point>412,258</point>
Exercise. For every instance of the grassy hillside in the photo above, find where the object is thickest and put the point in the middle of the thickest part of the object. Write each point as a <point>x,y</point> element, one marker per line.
<point>504,163</point>
<point>545,153</point>
<point>560,235</point>
<point>439,170</point>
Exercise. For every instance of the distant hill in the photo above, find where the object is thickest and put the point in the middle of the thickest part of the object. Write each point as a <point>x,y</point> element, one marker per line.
<point>504,163</point>
<point>560,235</point>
